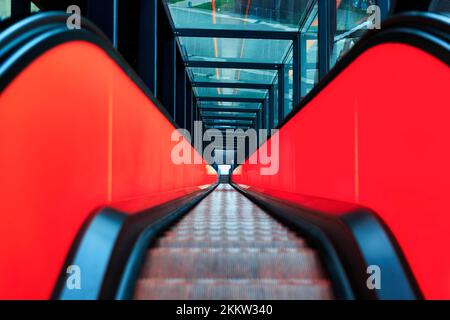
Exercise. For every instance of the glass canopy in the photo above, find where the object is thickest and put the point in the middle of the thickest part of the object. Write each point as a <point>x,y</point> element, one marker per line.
<point>241,50</point>
<point>244,116</point>
<point>232,75</point>
<point>222,60</point>
<point>237,14</point>
<point>221,105</point>
<point>249,63</point>
<point>230,92</point>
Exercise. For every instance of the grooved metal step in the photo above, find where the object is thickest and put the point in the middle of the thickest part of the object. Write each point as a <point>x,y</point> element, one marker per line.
<point>232,263</point>
<point>228,248</point>
<point>201,289</point>
<point>225,243</point>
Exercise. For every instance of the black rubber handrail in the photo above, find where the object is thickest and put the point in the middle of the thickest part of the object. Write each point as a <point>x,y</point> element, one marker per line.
<point>344,242</point>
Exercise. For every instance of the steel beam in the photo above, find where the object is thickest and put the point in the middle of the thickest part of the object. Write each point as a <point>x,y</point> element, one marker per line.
<point>228,109</point>
<point>231,99</point>
<point>181,77</point>
<point>297,70</point>
<point>232,65</point>
<point>271,109</point>
<point>148,43</point>
<point>235,33</point>
<point>324,36</point>
<point>167,61</point>
<point>221,117</point>
<point>225,127</point>
<point>228,120</point>
<point>264,114</point>
<point>189,106</point>
<point>232,85</point>
<point>105,15</point>
<point>20,8</point>
<point>281,75</point>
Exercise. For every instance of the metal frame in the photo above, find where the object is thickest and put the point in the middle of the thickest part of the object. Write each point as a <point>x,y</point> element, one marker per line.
<point>324,39</point>
<point>223,128</point>
<point>281,75</point>
<point>232,85</point>
<point>231,99</point>
<point>297,69</point>
<point>384,7</point>
<point>228,109</point>
<point>231,65</point>
<point>105,15</point>
<point>189,118</point>
<point>232,33</point>
<point>267,103</point>
<point>271,109</point>
<point>222,117</point>
<point>20,8</point>
<point>180,94</point>
<point>167,56</point>
<point>224,123</point>
<point>148,44</point>
<point>265,117</point>
<point>166,69</point>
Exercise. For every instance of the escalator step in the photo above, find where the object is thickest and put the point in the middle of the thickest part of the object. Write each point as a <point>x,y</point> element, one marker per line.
<point>214,238</point>
<point>250,263</point>
<point>254,289</point>
<point>228,248</point>
<point>205,242</point>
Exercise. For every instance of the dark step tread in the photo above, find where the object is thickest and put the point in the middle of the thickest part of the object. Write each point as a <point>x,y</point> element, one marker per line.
<point>231,263</point>
<point>223,243</point>
<point>242,289</point>
<point>228,248</point>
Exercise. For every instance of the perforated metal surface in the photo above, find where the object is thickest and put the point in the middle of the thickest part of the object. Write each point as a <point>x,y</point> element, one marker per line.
<point>228,248</point>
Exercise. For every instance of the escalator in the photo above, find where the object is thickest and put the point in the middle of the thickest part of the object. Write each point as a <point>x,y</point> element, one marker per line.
<point>228,248</point>
<point>140,226</point>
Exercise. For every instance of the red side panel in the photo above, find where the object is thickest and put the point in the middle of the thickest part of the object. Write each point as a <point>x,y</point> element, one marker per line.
<point>378,135</point>
<point>75,134</point>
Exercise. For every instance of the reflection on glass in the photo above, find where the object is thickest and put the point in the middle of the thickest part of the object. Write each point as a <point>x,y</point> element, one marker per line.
<point>33,7</point>
<point>232,75</point>
<point>350,25</point>
<point>228,114</point>
<point>219,121</point>
<point>275,102</point>
<point>288,84</point>
<point>242,50</point>
<point>226,92</point>
<point>224,169</point>
<point>309,52</point>
<point>440,6</point>
<point>229,105</point>
<point>5,9</point>
<point>235,14</point>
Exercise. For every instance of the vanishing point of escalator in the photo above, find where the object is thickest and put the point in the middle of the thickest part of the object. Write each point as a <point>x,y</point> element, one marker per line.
<point>228,248</point>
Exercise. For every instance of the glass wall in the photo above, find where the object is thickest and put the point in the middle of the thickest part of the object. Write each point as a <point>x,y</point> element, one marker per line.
<point>212,57</point>
<point>275,102</point>
<point>288,83</point>
<point>440,6</point>
<point>309,52</point>
<point>34,8</point>
<point>5,9</point>
<point>280,15</point>
<point>351,20</point>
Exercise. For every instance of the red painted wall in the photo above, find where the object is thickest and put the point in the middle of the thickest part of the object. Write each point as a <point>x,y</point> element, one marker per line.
<point>75,134</point>
<point>378,135</point>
